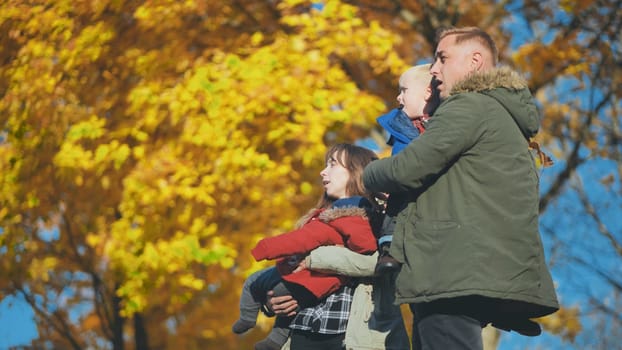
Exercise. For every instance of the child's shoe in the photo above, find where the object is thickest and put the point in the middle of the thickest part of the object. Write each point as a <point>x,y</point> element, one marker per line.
<point>241,326</point>
<point>267,344</point>
<point>386,263</point>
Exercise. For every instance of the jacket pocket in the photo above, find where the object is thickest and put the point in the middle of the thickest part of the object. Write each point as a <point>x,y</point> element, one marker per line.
<point>437,260</point>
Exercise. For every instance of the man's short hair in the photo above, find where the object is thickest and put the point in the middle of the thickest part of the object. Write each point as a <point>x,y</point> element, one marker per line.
<point>470,33</point>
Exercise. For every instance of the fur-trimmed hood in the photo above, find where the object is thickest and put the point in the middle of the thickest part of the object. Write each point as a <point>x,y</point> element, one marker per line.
<point>503,77</point>
<point>509,89</point>
<point>331,214</point>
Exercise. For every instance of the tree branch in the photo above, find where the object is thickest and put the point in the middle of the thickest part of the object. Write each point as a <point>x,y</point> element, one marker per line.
<point>602,228</point>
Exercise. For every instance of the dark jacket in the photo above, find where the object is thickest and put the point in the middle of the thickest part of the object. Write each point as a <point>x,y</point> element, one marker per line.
<point>475,228</point>
<point>346,224</point>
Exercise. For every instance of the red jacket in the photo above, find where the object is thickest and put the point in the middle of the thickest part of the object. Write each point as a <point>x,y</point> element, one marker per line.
<point>347,226</point>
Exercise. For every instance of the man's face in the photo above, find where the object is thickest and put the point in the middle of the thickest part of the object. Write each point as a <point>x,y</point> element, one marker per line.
<point>452,63</point>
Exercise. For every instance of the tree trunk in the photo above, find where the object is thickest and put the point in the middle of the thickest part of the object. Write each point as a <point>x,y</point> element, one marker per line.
<point>117,327</point>
<point>140,333</point>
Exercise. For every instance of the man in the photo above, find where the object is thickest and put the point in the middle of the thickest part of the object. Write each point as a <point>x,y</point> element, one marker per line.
<point>471,252</point>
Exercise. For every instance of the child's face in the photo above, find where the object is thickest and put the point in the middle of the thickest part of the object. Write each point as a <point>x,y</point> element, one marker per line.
<point>413,95</point>
<point>335,178</point>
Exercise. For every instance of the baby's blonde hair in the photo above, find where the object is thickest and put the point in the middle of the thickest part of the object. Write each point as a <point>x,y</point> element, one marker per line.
<point>420,73</point>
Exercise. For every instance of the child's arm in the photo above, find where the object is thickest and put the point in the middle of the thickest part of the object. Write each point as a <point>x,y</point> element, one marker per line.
<point>312,235</point>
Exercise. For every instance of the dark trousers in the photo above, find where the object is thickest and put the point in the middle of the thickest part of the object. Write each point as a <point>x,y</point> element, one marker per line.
<point>302,340</point>
<point>439,327</point>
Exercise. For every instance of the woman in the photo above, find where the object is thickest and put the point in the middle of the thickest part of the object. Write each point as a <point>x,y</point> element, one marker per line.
<point>341,217</point>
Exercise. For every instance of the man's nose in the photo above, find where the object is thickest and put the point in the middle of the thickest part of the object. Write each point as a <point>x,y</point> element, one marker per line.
<point>433,68</point>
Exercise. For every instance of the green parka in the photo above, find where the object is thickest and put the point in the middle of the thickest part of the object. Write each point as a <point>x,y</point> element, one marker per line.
<point>471,224</point>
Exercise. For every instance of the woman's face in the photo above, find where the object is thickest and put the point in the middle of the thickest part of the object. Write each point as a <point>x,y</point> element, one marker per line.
<point>335,178</point>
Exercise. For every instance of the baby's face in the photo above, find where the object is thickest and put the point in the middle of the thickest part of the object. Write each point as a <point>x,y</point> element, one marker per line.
<point>413,95</point>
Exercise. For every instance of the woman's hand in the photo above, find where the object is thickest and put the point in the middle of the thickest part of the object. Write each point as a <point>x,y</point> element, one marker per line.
<point>302,265</point>
<point>284,305</point>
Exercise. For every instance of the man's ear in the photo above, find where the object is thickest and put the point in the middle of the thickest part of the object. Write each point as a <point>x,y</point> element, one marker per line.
<point>477,61</point>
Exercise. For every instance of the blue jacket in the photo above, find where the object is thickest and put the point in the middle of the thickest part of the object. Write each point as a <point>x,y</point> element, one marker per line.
<point>400,128</point>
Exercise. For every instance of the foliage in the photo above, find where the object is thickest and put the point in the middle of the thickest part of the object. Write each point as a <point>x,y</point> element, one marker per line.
<point>573,62</point>
<point>159,155</point>
<point>147,145</point>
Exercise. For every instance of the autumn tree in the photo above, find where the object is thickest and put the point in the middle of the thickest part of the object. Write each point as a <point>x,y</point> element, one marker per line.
<point>147,145</point>
<point>577,47</point>
<point>162,139</point>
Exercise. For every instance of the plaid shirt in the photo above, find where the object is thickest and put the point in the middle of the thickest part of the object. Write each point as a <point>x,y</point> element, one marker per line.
<point>328,317</point>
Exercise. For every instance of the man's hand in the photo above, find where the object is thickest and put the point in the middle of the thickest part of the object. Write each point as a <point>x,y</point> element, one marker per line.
<point>284,305</point>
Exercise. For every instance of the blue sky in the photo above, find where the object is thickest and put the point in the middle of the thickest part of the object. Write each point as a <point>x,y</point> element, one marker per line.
<point>17,325</point>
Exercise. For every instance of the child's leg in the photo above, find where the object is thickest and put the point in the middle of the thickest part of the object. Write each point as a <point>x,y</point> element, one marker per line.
<point>384,242</point>
<point>389,222</point>
<point>386,263</point>
<point>251,299</point>
<point>277,336</point>
<point>396,203</point>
